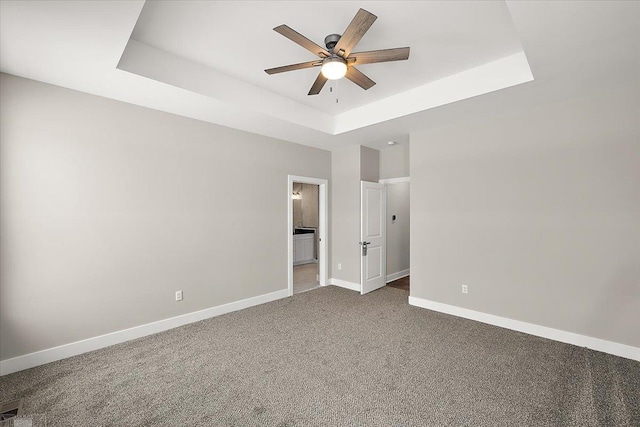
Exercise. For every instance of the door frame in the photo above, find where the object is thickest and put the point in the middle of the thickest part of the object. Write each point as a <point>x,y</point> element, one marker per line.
<point>323,232</point>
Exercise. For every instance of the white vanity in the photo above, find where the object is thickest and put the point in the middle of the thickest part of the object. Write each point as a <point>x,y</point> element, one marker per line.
<point>304,246</point>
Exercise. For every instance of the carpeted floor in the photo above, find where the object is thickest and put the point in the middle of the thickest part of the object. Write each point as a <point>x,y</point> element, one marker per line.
<point>330,357</point>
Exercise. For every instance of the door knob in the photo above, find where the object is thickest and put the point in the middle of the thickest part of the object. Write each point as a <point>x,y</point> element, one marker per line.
<point>364,247</point>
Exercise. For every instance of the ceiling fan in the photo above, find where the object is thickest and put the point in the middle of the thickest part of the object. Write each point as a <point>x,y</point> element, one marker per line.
<point>338,60</point>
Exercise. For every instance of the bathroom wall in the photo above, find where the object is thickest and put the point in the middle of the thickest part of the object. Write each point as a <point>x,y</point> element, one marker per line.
<point>305,209</point>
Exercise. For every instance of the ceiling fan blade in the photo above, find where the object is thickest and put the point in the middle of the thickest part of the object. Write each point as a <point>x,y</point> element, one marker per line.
<point>354,32</point>
<point>293,67</point>
<point>298,38</point>
<point>318,85</point>
<point>384,55</point>
<point>359,78</point>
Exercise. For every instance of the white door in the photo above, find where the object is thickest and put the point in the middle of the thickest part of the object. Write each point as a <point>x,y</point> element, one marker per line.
<point>372,234</point>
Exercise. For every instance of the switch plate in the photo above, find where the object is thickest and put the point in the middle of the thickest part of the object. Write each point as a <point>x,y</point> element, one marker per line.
<point>465,289</point>
<point>339,266</point>
<point>179,296</point>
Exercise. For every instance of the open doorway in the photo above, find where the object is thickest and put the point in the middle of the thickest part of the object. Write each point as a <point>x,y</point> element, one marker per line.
<point>307,233</point>
<point>306,274</point>
<point>397,232</point>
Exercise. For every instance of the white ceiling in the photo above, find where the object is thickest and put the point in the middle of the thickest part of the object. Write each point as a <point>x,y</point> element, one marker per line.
<point>236,39</point>
<point>572,47</point>
<point>460,50</point>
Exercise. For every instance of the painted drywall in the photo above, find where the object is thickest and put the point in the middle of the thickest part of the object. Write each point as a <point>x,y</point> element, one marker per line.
<point>349,166</point>
<point>398,239</point>
<point>305,209</point>
<point>309,206</point>
<point>537,211</point>
<point>107,209</point>
<point>394,161</point>
<point>345,214</point>
<point>369,164</point>
<point>297,206</point>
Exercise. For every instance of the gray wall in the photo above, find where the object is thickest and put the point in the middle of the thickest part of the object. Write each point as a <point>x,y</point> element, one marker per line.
<point>349,165</point>
<point>345,213</point>
<point>369,164</point>
<point>398,242</point>
<point>538,212</point>
<point>394,161</point>
<point>107,209</point>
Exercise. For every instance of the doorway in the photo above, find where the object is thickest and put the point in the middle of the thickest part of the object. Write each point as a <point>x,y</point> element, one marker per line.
<point>398,232</point>
<point>306,233</point>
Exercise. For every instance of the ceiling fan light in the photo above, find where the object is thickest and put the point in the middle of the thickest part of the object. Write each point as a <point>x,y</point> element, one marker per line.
<point>334,68</point>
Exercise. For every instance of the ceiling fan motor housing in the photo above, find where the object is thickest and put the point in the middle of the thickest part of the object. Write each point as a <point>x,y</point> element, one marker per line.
<point>331,40</point>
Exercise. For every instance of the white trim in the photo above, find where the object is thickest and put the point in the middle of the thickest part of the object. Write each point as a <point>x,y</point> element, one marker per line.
<point>398,275</point>
<point>495,75</point>
<point>30,360</point>
<point>394,180</point>
<point>323,224</point>
<point>344,284</point>
<point>610,347</point>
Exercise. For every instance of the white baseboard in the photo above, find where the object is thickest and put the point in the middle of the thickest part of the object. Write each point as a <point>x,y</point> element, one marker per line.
<point>31,360</point>
<point>398,275</point>
<point>395,180</point>
<point>306,261</point>
<point>610,347</point>
<point>345,284</point>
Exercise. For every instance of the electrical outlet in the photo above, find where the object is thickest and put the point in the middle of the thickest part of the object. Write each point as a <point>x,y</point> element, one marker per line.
<point>465,289</point>
<point>339,266</point>
<point>179,296</point>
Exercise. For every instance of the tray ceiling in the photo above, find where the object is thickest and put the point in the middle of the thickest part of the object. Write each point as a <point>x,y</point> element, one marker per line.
<point>205,60</point>
<point>237,40</point>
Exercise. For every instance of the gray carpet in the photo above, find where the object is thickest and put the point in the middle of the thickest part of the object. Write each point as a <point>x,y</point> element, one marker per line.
<point>332,357</point>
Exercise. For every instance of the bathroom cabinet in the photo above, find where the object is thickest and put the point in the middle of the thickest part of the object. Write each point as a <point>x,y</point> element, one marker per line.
<point>303,248</point>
